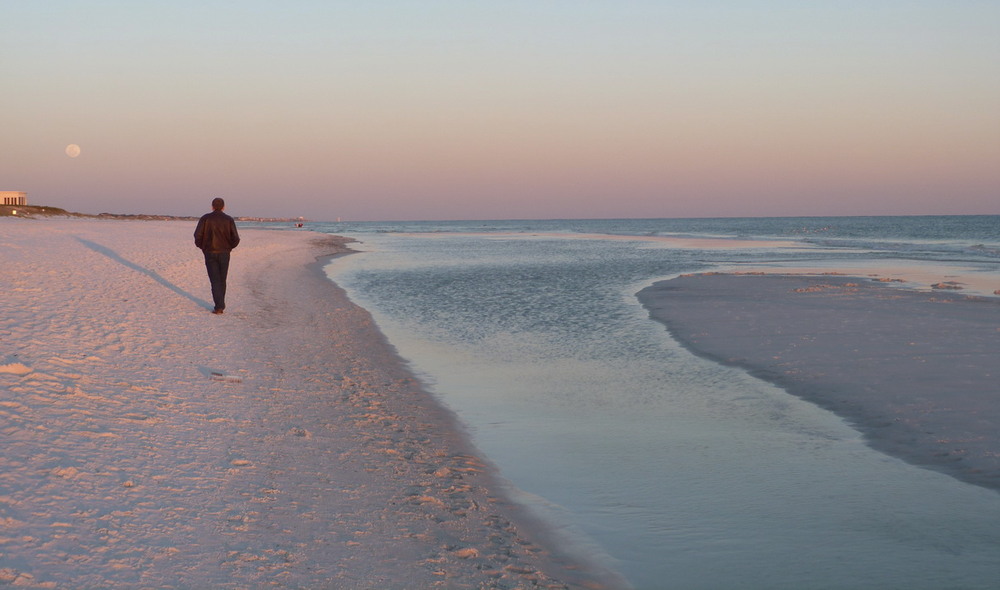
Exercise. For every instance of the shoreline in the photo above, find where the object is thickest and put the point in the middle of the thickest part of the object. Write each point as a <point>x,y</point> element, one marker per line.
<point>913,371</point>
<point>530,531</point>
<point>319,461</point>
<point>45,212</point>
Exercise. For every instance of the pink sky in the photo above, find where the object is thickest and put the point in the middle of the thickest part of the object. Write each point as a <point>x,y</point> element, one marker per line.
<point>444,110</point>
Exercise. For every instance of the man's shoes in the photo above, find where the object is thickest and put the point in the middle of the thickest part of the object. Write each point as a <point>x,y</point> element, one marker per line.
<point>217,311</point>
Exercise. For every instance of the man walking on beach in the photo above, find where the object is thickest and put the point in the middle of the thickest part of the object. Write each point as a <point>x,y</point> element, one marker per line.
<point>216,235</point>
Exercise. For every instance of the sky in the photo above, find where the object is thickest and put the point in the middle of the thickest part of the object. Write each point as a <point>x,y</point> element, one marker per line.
<point>514,109</point>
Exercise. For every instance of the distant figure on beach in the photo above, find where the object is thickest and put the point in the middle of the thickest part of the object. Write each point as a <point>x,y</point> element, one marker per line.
<point>216,235</point>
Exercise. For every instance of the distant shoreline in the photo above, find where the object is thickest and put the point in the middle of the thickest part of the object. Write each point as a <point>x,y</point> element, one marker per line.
<point>33,211</point>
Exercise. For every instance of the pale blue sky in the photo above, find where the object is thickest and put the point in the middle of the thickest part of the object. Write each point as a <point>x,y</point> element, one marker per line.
<point>441,110</point>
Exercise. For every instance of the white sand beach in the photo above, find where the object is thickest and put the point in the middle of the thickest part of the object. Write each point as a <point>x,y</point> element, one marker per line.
<point>914,370</point>
<point>148,443</point>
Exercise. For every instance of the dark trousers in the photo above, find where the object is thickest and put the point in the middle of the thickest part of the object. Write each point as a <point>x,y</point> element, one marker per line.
<point>217,264</point>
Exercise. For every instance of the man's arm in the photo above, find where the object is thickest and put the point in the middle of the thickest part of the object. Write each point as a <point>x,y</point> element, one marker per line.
<point>234,236</point>
<point>199,233</point>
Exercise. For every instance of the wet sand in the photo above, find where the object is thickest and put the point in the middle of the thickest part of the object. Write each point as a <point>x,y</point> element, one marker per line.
<point>917,372</point>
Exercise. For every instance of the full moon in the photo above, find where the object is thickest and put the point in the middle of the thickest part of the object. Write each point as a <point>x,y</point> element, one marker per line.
<point>72,150</point>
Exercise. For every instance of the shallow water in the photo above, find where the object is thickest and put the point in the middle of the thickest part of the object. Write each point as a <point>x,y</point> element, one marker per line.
<point>673,470</point>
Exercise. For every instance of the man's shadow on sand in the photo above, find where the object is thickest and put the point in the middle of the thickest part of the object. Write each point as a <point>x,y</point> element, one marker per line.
<point>150,273</point>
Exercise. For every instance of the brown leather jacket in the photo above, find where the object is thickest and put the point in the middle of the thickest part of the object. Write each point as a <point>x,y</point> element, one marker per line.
<point>216,232</point>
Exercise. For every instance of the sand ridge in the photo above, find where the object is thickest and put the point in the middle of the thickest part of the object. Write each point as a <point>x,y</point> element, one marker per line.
<point>915,371</point>
<point>315,460</point>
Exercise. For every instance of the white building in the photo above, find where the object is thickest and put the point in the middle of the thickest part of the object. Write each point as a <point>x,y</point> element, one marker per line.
<point>14,198</point>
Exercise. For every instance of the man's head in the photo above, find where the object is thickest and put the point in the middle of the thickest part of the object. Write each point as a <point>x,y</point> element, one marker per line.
<point>218,204</point>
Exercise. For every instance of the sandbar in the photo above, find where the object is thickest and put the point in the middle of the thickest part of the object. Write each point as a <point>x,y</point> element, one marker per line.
<point>915,371</point>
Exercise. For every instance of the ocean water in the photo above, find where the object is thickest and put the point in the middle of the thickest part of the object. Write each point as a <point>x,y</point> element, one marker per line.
<point>667,468</point>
